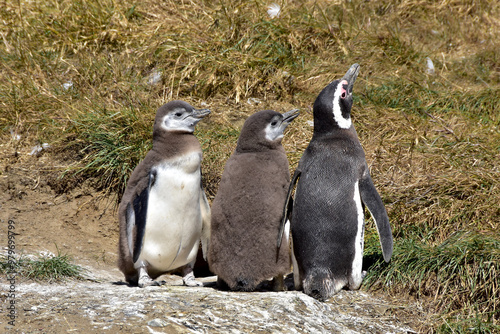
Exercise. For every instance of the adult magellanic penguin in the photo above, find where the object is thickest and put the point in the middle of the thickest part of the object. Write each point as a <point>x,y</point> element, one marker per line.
<point>164,212</point>
<point>333,183</point>
<point>247,209</point>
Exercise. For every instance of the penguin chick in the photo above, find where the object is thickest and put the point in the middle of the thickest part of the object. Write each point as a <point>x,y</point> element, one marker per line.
<point>246,211</point>
<point>164,211</point>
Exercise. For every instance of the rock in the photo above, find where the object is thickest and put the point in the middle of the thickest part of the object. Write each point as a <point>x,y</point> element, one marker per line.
<point>157,323</point>
<point>173,308</point>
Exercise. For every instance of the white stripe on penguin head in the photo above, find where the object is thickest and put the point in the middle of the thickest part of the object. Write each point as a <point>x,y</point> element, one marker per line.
<point>344,123</point>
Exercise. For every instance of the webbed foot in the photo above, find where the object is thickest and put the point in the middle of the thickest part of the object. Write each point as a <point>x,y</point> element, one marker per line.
<point>278,283</point>
<point>188,277</point>
<point>145,280</point>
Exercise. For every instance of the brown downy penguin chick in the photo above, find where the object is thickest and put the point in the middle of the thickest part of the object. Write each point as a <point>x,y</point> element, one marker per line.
<point>247,209</point>
<point>164,212</point>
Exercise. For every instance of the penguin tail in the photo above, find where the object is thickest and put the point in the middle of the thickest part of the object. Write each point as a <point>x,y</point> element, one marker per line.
<point>320,284</point>
<point>243,284</point>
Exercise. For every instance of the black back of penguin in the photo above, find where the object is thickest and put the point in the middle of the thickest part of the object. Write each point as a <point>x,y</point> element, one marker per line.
<point>327,216</point>
<point>324,219</point>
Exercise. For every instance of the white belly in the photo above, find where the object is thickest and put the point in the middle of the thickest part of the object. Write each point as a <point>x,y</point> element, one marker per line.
<point>357,263</point>
<point>173,221</point>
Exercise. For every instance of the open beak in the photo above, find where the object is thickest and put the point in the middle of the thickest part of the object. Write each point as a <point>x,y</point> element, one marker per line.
<point>351,76</point>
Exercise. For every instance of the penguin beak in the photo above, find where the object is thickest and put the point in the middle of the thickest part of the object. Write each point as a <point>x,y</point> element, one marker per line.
<point>200,113</point>
<point>351,76</point>
<point>289,116</point>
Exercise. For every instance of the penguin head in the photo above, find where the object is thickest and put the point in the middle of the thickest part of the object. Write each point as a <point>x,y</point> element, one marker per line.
<point>332,108</point>
<point>178,116</point>
<point>264,130</point>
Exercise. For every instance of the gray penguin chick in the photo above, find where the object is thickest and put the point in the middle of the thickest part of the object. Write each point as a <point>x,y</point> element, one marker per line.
<point>247,209</point>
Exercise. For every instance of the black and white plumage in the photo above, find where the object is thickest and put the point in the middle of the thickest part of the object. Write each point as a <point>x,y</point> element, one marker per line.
<point>333,183</point>
<point>247,209</point>
<point>164,211</point>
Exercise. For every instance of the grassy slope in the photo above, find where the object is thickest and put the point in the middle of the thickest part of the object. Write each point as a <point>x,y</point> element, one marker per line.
<point>432,141</point>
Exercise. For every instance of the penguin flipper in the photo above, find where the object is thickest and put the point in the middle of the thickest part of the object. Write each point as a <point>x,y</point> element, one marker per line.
<point>288,208</point>
<point>140,212</point>
<point>373,202</point>
<point>206,223</point>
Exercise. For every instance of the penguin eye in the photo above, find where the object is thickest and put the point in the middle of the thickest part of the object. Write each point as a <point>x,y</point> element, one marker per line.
<point>343,92</point>
<point>273,123</point>
<point>178,114</point>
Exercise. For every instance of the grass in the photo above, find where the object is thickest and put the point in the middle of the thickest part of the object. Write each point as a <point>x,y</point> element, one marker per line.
<point>432,141</point>
<point>109,144</point>
<point>462,273</point>
<point>46,268</point>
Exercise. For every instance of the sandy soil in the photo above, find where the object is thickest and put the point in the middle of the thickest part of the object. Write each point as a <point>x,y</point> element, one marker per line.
<point>78,222</point>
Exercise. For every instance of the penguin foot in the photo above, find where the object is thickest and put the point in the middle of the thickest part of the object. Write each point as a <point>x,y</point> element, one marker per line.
<point>188,277</point>
<point>363,274</point>
<point>221,285</point>
<point>189,280</point>
<point>145,280</point>
<point>278,283</point>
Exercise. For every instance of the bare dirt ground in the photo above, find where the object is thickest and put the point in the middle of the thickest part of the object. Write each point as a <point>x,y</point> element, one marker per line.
<point>82,223</point>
